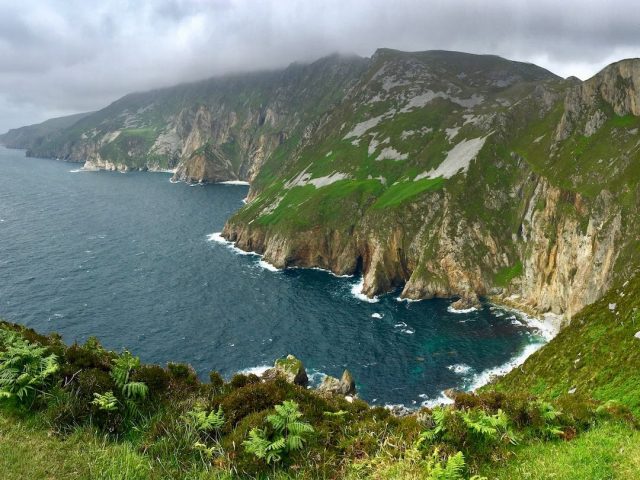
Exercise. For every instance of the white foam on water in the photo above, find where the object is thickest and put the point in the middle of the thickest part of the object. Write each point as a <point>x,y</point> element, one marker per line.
<point>356,291</point>
<point>544,328</point>
<point>441,399</point>
<point>326,271</point>
<point>218,238</point>
<point>316,377</point>
<point>376,315</point>
<point>78,170</point>
<point>408,331</point>
<point>233,182</point>
<point>408,300</point>
<point>259,370</point>
<point>450,309</point>
<point>484,377</point>
<point>461,368</point>
<point>268,266</point>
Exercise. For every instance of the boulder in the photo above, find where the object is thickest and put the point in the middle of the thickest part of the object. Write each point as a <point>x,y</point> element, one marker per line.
<point>466,302</point>
<point>452,393</point>
<point>345,386</point>
<point>289,368</point>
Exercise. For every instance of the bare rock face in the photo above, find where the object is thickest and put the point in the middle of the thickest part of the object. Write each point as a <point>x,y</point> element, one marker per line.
<point>617,85</point>
<point>568,265</point>
<point>345,386</point>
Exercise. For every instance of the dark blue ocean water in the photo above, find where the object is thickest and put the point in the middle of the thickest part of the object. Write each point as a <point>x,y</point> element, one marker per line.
<point>126,257</point>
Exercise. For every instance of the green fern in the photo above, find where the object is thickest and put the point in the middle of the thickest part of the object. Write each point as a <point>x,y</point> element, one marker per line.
<point>132,392</point>
<point>551,427</point>
<point>452,468</point>
<point>439,417</point>
<point>289,433</point>
<point>25,368</point>
<point>206,422</point>
<point>106,402</point>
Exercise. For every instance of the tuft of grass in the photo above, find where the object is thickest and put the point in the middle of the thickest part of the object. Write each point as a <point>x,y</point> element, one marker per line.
<point>401,192</point>
<point>503,277</point>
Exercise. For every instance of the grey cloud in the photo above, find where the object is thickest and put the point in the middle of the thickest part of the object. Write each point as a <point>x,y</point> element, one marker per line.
<point>63,57</point>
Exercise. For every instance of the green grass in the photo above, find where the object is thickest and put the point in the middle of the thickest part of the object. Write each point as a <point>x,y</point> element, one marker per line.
<point>504,276</point>
<point>28,451</point>
<point>401,192</point>
<point>308,206</point>
<point>608,451</point>
<point>597,354</point>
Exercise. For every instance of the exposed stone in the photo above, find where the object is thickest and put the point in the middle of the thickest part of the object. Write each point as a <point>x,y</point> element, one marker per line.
<point>452,393</point>
<point>289,368</point>
<point>345,386</point>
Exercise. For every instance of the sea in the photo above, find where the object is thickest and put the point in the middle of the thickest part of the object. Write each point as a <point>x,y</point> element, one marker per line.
<point>138,262</point>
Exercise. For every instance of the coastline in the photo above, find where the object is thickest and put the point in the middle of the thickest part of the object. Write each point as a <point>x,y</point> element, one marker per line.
<point>547,328</point>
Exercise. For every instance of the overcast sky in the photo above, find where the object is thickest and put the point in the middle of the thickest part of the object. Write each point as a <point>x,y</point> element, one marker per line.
<point>67,56</point>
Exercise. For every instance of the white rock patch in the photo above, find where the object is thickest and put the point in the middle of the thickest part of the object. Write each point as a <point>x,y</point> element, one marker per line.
<point>360,128</point>
<point>458,159</point>
<point>537,140</point>
<point>111,136</point>
<point>421,100</point>
<point>304,178</point>
<point>328,179</point>
<point>451,132</point>
<point>390,153</point>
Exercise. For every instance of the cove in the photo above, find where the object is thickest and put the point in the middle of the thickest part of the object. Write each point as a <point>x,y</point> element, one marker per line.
<point>128,258</point>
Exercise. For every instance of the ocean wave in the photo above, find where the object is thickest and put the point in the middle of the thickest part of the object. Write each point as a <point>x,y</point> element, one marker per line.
<point>484,377</point>
<point>233,182</point>
<point>461,368</point>
<point>544,328</point>
<point>258,370</point>
<point>315,377</point>
<point>376,315</point>
<point>268,266</point>
<point>356,291</point>
<point>78,170</point>
<point>408,300</point>
<point>329,272</point>
<point>451,309</point>
<point>429,402</point>
<point>324,270</point>
<point>218,238</point>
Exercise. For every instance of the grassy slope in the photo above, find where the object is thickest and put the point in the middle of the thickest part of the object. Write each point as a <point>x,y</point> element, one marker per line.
<point>608,369</point>
<point>608,451</point>
<point>28,451</point>
<point>597,354</point>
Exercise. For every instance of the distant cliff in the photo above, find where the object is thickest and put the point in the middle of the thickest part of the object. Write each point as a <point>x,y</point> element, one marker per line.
<point>214,130</point>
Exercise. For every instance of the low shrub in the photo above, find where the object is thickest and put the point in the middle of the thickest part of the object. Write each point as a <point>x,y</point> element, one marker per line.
<point>216,380</point>
<point>240,380</point>
<point>153,376</point>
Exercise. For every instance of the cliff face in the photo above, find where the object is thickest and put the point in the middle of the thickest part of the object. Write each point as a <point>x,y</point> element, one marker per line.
<point>445,174</point>
<point>210,131</point>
